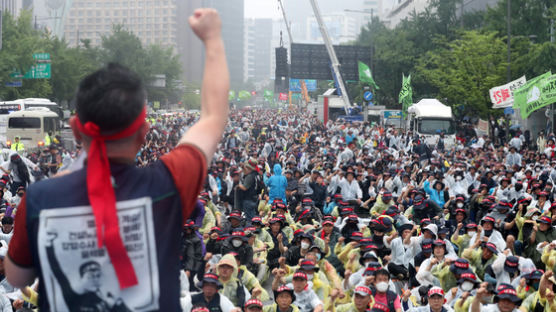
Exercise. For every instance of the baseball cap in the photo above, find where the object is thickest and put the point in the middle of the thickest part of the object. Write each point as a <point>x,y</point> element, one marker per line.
<point>363,291</point>
<point>308,265</point>
<point>511,264</point>
<point>435,291</point>
<point>254,303</point>
<point>490,246</point>
<point>300,275</point>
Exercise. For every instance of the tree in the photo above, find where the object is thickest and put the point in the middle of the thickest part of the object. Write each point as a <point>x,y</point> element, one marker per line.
<point>20,40</point>
<point>465,69</point>
<point>528,17</point>
<point>69,66</point>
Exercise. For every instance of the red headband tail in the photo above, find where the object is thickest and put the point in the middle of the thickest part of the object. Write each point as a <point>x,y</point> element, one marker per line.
<point>103,198</point>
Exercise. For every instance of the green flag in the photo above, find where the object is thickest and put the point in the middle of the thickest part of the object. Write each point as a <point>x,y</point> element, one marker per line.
<point>536,93</point>
<point>268,95</point>
<point>366,76</point>
<point>406,94</point>
<point>231,95</point>
<point>244,95</point>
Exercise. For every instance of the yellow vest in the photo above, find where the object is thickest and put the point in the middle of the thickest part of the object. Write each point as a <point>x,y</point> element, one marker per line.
<point>17,147</point>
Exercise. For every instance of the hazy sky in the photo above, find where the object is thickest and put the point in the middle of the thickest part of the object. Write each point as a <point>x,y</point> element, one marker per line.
<point>262,9</point>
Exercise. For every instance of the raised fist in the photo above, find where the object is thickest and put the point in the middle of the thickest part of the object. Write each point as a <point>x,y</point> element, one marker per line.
<point>206,24</point>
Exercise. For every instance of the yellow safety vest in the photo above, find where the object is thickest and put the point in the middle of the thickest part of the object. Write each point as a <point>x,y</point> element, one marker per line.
<point>17,147</point>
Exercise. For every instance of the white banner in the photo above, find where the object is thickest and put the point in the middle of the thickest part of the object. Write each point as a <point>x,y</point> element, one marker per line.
<point>503,96</point>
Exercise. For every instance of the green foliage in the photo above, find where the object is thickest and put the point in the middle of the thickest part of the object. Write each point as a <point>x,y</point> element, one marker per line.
<point>464,70</point>
<point>19,42</point>
<point>459,65</point>
<point>71,64</point>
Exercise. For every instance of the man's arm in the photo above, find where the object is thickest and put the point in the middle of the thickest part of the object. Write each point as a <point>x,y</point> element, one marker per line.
<point>207,132</point>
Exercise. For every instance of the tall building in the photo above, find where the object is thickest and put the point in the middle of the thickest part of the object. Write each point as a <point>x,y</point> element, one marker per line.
<point>402,9</point>
<point>231,13</point>
<point>152,21</point>
<point>341,27</point>
<point>373,7</point>
<point>300,15</point>
<point>258,40</point>
<point>11,6</point>
<point>190,47</point>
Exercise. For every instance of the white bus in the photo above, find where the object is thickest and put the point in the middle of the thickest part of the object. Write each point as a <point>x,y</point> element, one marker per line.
<point>32,125</point>
<point>23,104</point>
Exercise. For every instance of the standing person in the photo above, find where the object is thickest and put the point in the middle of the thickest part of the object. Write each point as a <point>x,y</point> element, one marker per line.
<point>17,146</point>
<point>277,185</point>
<point>153,202</point>
<point>246,191</point>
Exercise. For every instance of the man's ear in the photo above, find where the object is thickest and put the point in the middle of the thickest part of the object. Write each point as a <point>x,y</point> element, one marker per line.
<point>141,137</point>
<point>76,133</point>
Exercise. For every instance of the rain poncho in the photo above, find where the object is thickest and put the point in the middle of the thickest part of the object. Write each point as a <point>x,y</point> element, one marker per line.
<point>277,185</point>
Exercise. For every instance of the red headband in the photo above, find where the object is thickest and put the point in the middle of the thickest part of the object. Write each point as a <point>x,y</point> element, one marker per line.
<point>103,199</point>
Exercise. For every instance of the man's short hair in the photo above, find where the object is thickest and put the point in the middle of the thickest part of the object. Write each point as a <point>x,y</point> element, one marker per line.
<point>7,220</point>
<point>111,97</point>
<point>88,266</point>
<point>382,272</point>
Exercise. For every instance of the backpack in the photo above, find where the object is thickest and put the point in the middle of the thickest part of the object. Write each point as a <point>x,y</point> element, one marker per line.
<point>259,185</point>
<point>240,292</point>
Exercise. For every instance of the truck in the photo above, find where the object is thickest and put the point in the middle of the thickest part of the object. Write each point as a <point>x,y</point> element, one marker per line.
<point>429,118</point>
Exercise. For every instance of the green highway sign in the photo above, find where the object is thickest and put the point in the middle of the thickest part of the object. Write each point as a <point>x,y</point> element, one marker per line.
<point>39,71</point>
<point>41,56</point>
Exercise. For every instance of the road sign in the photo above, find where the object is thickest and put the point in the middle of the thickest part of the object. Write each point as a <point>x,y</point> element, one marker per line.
<point>39,71</point>
<point>41,56</point>
<point>15,84</point>
<point>368,95</point>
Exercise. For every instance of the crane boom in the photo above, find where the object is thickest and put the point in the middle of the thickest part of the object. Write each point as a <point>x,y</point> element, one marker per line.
<point>286,22</point>
<point>332,55</point>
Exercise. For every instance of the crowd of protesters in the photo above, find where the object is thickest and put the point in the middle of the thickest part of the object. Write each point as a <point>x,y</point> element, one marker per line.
<point>356,217</point>
<point>302,216</point>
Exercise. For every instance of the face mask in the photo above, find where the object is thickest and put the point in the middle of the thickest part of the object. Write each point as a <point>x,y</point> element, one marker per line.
<point>471,233</point>
<point>318,256</point>
<point>310,277</point>
<point>458,178</point>
<point>467,286</point>
<point>488,233</point>
<point>382,287</point>
<point>460,205</point>
<point>304,245</point>
<point>534,218</point>
<point>236,242</point>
